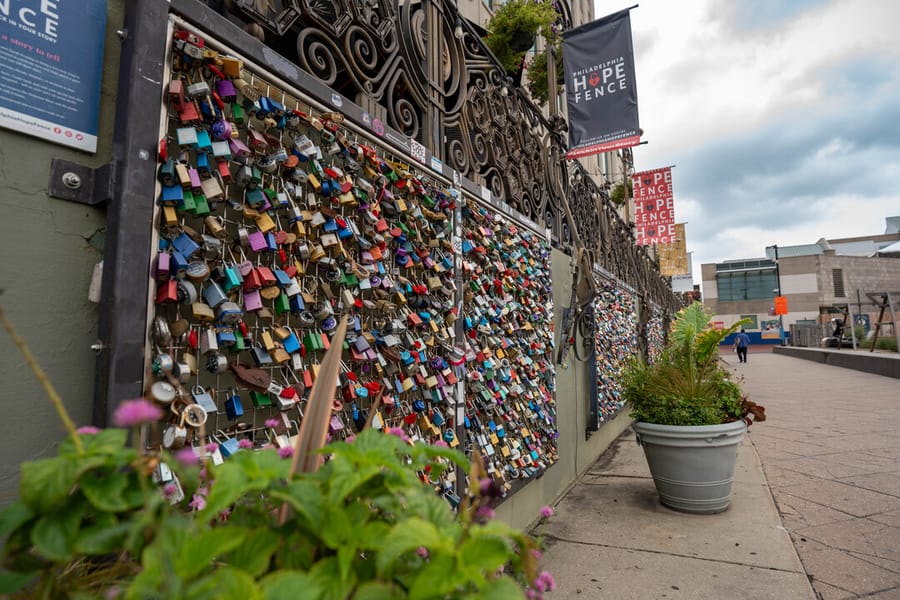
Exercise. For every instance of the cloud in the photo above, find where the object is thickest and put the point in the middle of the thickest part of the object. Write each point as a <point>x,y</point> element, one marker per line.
<point>782,118</point>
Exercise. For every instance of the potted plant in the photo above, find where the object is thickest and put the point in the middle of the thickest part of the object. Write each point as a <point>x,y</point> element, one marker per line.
<point>690,414</point>
<point>512,28</point>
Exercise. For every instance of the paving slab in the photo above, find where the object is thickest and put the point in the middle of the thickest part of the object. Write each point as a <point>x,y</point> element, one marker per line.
<point>815,509</point>
<point>610,525</point>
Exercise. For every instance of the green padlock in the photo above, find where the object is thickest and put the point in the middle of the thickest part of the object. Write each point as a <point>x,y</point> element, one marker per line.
<point>260,399</point>
<point>282,304</point>
<point>201,206</point>
<point>187,202</point>
<point>239,344</point>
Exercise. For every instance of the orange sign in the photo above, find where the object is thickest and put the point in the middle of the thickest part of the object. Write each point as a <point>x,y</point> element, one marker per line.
<point>781,305</point>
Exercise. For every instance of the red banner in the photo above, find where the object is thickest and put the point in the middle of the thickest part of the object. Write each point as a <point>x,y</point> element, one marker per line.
<point>654,207</point>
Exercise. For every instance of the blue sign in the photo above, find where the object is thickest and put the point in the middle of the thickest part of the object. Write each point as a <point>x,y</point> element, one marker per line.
<point>51,65</point>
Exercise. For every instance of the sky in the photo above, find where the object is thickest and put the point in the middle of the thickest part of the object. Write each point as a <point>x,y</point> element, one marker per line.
<point>782,117</point>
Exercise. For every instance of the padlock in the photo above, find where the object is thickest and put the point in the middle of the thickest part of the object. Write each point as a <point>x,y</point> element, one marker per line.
<point>233,406</point>
<point>213,294</point>
<point>208,342</point>
<point>229,313</point>
<point>260,356</point>
<point>204,399</point>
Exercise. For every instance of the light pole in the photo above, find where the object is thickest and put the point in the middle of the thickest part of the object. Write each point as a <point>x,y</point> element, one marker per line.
<point>778,290</point>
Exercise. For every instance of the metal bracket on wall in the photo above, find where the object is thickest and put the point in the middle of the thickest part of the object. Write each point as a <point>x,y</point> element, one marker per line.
<point>78,183</point>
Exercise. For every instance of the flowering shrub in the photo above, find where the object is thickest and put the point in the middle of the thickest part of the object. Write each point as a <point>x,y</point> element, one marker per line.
<point>93,523</point>
<point>102,520</point>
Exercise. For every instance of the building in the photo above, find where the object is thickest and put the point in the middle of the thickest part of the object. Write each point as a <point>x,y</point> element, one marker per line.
<point>813,277</point>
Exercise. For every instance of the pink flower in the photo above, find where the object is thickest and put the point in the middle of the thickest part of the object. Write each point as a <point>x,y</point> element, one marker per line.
<point>87,430</point>
<point>245,444</point>
<point>441,444</point>
<point>169,490</point>
<point>135,412</point>
<point>397,431</point>
<point>545,582</point>
<point>486,513</point>
<point>272,423</point>
<point>537,554</point>
<point>422,551</point>
<point>186,457</point>
<point>546,511</point>
<point>533,594</point>
<point>198,502</point>
<point>212,447</point>
<point>349,439</point>
<point>286,452</point>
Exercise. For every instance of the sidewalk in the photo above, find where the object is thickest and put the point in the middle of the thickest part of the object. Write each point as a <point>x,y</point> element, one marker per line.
<point>829,455</point>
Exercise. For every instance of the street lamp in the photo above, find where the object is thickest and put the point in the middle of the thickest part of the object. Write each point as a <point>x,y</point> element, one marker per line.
<point>778,293</point>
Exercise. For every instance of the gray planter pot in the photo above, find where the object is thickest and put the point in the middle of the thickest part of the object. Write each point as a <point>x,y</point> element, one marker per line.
<point>692,466</point>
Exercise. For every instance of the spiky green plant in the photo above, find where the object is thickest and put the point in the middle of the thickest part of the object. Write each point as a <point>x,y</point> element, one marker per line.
<point>686,385</point>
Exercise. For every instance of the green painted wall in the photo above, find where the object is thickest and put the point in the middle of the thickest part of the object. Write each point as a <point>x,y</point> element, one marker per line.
<point>48,249</point>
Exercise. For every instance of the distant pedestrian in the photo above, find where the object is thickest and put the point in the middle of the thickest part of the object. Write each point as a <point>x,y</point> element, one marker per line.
<point>741,342</point>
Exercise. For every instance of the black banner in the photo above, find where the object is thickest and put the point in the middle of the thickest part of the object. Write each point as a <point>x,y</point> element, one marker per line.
<point>601,95</point>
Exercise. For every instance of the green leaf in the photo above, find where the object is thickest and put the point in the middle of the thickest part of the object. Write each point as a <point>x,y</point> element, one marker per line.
<point>344,479</point>
<point>14,516</point>
<point>198,553</point>
<point>503,588</point>
<point>305,497</point>
<point>45,483</point>
<point>337,529</point>
<point>372,535</point>
<point>255,554</point>
<point>106,441</point>
<point>13,582</point>
<point>437,579</point>
<point>486,553</point>
<point>327,575</point>
<point>102,538</point>
<point>290,585</point>
<point>111,491</point>
<point>226,582</point>
<point>406,536</point>
<point>54,535</point>
<point>231,483</point>
<point>377,590</point>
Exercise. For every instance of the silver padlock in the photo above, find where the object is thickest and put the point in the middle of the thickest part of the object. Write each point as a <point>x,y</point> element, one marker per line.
<point>187,293</point>
<point>216,363</point>
<point>182,371</point>
<point>203,399</point>
<point>163,392</point>
<point>229,313</point>
<point>208,342</point>
<point>174,436</point>
<point>213,294</point>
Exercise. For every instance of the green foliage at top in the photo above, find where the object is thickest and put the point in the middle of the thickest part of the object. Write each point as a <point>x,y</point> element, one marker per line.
<point>92,523</point>
<point>617,195</point>
<point>686,385</point>
<point>536,72</point>
<point>513,26</point>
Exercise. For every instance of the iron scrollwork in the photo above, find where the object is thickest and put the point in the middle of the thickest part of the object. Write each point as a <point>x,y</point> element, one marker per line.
<point>377,53</point>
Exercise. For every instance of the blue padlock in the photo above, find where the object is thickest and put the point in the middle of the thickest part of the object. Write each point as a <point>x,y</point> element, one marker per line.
<point>233,406</point>
<point>184,244</point>
<point>229,446</point>
<point>178,263</point>
<point>291,343</point>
